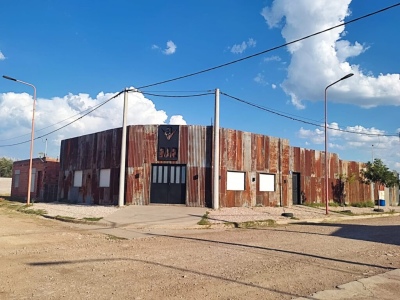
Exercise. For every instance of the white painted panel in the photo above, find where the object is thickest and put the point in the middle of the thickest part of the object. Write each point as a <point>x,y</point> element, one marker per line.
<point>235,181</point>
<point>77,178</point>
<point>267,182</point>
<point>104,178</point>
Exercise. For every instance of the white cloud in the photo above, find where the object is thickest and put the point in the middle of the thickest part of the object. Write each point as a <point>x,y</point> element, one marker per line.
<point>240,48</point>
<point>345,50</point>
<point>2,57</point>
<point>345,139</point>
<point>260,79</point>
<point>177,120</point>
<point>171,48</point>
<point>16,116</point>
<point>324,56</point>
<point>273,86</point>
<point>272,58</point>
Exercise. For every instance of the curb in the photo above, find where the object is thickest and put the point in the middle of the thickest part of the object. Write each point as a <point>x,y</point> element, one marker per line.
<point>224,225</point>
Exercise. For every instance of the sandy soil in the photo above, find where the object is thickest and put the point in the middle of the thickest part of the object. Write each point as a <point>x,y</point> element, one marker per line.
<point>47,259</point>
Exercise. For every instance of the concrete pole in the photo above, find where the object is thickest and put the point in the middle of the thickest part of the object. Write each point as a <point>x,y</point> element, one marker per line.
<point>121,194</point>
<point>216,152</point>
<point>326,144</point>
<point>28,197</point>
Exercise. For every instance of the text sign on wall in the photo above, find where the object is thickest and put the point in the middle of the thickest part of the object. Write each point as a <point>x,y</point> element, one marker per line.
<point>168,142</point>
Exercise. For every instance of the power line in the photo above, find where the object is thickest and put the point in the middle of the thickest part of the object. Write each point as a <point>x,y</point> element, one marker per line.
<point>270,49</point>
<point>303,121</point>
<point>91,110</point>
<point>178,96</point>
<point>227,64</point>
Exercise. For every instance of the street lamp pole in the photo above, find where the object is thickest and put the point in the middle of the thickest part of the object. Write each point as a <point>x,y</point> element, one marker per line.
<point>28,198</point>
<point>326,143</point>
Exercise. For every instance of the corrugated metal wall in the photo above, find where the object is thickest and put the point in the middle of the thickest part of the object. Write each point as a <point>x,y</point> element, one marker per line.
<point>89,154</point>
<point>195,150</point>
<point>253,154</point>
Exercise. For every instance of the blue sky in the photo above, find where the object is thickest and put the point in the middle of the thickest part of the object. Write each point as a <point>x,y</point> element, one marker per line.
<point>80,53</point>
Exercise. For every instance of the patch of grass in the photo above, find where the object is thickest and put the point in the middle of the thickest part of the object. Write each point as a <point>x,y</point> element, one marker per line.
<point>92,219</point>
<point>318,205</point>
<point>314,204</point>
<point>363,204</point>
<point>113,237</point>
<point>38,212</point>
<point>345,212</point>
<point>65,218</point>
<point>251,224</point>
<point>204,219</point>
<point>294,218</point>
<point>22,208</point>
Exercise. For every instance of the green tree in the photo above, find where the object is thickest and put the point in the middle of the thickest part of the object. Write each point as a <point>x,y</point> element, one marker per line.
<point>6,167</point>
<point>378,173</point>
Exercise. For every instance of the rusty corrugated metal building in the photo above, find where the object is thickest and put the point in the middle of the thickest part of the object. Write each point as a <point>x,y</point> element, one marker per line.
<point>44,179</point>
<point>173,164</point>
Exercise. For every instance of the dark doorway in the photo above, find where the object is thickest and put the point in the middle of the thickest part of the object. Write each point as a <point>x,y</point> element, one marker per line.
<point>168,184</point>
<point>296,188</point>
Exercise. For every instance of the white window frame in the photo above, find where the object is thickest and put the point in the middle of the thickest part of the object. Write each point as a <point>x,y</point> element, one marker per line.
<point>235,181</point>
<point>16,178</point>
<point>78,175</point>
<point>266,182</point>
<point>104,178</point>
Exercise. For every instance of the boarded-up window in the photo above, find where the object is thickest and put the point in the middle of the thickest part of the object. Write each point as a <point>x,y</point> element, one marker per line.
<point>16,178</point>
<point>77,178</point>
<point>267,182</point>
<point>33,177</point>
<point>105,178</point>
<point>235,181</point>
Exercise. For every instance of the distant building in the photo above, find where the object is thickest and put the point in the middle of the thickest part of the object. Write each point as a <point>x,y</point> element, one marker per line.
<point>44,179</point>
<point>172,164</point>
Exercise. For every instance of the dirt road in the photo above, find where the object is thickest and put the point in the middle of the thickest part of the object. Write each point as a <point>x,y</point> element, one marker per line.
<point>46,259</point>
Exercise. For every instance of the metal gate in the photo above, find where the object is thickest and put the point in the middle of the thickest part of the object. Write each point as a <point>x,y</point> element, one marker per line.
<point>168,184</point>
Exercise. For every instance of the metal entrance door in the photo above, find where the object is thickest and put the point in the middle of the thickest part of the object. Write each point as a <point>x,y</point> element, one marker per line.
<point>168,184</point>
<point>296,188</point>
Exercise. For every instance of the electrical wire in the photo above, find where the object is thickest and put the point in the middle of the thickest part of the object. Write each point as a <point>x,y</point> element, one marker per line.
<point>178,96</point>
<point>270,49</point>
<point>90,111</point>
<point>303,121</point>
<point>227,64</point>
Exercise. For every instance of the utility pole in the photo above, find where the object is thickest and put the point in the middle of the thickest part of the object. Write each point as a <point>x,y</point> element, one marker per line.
<point>215,202</point>
<point>121,194</point>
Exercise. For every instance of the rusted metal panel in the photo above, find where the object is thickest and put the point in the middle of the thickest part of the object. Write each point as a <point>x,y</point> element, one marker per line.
<point>239,151</point>
<point>285,157</point>
<point>318,164</point>
<point>273,154</point>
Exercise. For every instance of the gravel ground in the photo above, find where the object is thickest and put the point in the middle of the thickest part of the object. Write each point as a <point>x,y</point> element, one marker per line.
<point>78,211</point>
<point>47,259</point>
<point>243,214</point>
<point>232,214</point>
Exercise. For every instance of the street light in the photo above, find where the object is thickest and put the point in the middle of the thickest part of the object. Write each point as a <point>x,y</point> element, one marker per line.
<point>326,142</point>
<point>28,198</point>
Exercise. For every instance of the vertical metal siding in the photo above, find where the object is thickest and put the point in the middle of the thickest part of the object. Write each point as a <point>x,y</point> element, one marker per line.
<point>239,151</point>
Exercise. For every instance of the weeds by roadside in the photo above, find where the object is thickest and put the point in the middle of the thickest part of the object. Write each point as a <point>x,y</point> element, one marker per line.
<point>204,220</point>
<point>28,209</point>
